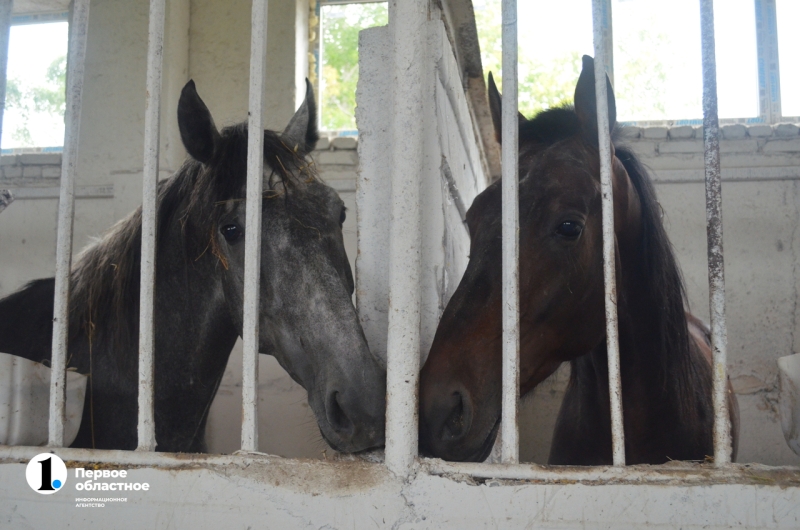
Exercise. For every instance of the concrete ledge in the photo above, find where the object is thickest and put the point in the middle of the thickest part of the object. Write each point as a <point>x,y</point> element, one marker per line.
<point>260,491</point>
<point>344,142</point>
<point>787,130</point>
<point>684,146</point>
<point>348,158</point>
<point>782,146</point>
<point>685,131</point>
<point>732,132</point>
<point>655,132</point>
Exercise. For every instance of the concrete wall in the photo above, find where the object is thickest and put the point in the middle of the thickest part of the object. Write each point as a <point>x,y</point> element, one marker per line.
<point>263,492</point>
<point>453,174</point>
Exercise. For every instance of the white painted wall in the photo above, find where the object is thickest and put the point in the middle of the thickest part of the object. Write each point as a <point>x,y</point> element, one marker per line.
<point>453,173</point>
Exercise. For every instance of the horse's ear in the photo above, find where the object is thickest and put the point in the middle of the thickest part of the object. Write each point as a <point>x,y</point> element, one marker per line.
<point>586,102</point>
<point>496,109</point>
<point>301,134</point>
<point>198,132</point>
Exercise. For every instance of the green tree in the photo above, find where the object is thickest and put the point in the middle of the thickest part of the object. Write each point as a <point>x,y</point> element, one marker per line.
<point>340,27</point>
<point>49,98</point>
<point>542,83</point>
<point>641,75</point>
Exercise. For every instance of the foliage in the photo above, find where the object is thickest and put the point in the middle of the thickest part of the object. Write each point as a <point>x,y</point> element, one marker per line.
<point>29,101</point>
<point>641,76</point>
<point>340,27</point>
<point>542,84</point>
<point>641,71</point>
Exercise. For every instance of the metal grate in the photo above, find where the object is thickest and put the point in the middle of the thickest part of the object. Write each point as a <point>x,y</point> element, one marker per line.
<point>403,339</point>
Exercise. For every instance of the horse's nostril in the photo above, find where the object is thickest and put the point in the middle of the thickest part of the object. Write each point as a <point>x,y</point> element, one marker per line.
<point>457,423</point>
<point>337,416</point>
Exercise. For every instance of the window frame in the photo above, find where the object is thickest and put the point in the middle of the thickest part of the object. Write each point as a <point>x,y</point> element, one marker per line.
<point>316,28</point>
<point>32,19</point>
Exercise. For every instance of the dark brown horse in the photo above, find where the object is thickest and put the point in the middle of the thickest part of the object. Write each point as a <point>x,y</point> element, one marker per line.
<point>664,351</point>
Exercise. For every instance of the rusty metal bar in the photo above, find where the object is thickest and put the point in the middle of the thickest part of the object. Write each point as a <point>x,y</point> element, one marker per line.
<point>509,426</point>
<point>252,234</point>
<point>79,26</point>
<point>155,53</point>
<point>716,264</point>
<point>609,240</point>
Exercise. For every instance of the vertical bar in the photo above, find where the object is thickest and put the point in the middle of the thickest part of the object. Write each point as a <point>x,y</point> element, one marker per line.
<point>5,33</point>
<point>252,234</point>
<point>609,250</point>
<point>408,25</point>
<point>79,26</point>
<point>320,66</point>
<point>769,79</point>
<point>608,40</point>
<point>155,55</point>
<point>716,264</point>
<point>509,155</point>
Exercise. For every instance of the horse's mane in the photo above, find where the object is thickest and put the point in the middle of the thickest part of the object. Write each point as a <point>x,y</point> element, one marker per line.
<point>105,277</point>
<point>664,288</point>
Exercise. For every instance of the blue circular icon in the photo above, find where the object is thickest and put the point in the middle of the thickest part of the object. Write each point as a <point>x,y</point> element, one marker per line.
<point>56,484</point>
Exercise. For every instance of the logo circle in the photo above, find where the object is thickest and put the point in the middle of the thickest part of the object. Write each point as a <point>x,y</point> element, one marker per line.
<point>46,473</point>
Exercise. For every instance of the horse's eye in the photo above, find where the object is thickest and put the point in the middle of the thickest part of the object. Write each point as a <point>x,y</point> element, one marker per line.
<point>232,233</point>
<point>569,229</point>
<point>343,216</point>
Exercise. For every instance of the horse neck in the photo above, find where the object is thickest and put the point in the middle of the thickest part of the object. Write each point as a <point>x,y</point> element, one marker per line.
<point>661,372</point>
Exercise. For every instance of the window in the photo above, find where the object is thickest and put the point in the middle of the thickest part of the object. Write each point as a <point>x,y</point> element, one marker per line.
<point>35,90</point>
<point>340,22</point>
<point>656,56</point>
<point>550,48</point>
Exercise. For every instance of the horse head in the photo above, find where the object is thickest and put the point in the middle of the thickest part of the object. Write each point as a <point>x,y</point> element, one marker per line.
<point>307,318</point>
<point>560,275</point>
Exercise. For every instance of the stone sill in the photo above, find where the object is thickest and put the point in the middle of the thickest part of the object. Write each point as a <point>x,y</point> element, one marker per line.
<point>338,143</point>
<point>31,166</point>
<point>736,131</point>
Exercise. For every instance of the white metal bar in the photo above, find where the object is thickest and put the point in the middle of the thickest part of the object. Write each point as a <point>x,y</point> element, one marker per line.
<point>408,26</point>
<point>769,85</point>
<point>152,118</point>
<point>5,33</point>
<point>252,233</point>
<point>79,26</point>
<point>608,40</point>
<point>609,248</point>
<point>716,264</point>
<point>509,155</point>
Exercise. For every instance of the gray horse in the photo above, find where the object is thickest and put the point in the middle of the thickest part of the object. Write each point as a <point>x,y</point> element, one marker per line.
<point>307,318</point>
